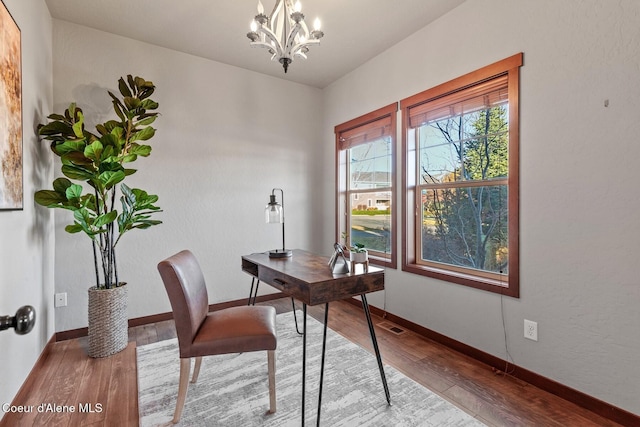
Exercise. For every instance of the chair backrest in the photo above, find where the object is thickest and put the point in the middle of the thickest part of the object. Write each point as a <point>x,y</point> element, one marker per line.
<point>185,285</point>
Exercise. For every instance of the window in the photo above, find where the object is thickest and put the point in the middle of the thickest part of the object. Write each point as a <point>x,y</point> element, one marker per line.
<point>460,162</point>
<point>365,167</point>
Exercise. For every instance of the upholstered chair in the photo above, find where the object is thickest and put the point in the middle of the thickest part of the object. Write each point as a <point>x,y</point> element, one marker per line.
<point>202,333</point>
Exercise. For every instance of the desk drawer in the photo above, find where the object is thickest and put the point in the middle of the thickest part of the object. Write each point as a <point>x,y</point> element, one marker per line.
<point>287,284</point>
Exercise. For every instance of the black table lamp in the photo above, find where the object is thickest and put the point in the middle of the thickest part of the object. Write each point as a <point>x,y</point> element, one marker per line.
<point>274,214</point>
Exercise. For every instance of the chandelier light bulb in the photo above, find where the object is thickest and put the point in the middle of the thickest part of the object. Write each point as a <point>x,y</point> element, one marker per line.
<point>260,8</point>
<point>253,26</point>
<point>316,24</point>
<point>297,7</point>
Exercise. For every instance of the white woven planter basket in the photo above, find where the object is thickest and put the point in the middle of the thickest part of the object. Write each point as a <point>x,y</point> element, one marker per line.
<point>108,321</point>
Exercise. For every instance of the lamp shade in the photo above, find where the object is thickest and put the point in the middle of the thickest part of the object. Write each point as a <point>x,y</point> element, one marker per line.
<point>274,213</point>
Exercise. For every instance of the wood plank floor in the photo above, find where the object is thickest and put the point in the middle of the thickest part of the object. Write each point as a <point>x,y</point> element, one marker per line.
<point>70,379</point>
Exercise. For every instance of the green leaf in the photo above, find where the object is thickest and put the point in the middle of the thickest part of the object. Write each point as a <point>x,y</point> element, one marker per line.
<point>118,107</point>
<point>73,192</point>
<point>126,192</point>
<point>49,198</point>
<point>76,158</point>
<point>110,125</point>
<point>144,134</point>
<point>105,219</point>
<point>131,103</point>
<point>140,150</point>
<point>77,172</point>
<point>61,184</point>
<point>70,146</point>
<point>110,178</point>
<point>149,104</point>
<point>146,121</point>
<point>102,130</point>
<point>132,82</point>
<point>94,151</point>
<point>83,218</point>
<point>146,224</point>
<point>78,127</point>
<point>108,152</point>
<point>124,89</point>
<point>112,140</point>
<point>73,228</point>
<point>55,128</point>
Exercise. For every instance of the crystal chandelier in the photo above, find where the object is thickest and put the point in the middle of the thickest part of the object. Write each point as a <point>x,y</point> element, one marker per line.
<point>284,34</point>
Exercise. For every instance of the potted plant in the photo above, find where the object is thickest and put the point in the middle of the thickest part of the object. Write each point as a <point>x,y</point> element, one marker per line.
<point>100,161</point>
<point>358,254</point>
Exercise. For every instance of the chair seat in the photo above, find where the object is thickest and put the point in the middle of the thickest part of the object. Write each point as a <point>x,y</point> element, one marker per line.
<point>236,330</point>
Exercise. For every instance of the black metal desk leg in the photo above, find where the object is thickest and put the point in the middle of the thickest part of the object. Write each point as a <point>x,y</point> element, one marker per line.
<point>365,306</point>
<point>304,355</point>
<point>324,347</point>
<point>295,317</point>
<point>251,294</point>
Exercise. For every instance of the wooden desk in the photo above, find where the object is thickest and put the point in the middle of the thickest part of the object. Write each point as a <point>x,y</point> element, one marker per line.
<point>307,278</point>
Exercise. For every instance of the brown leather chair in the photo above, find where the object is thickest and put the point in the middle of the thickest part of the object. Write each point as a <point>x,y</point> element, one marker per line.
<point>200,333</point>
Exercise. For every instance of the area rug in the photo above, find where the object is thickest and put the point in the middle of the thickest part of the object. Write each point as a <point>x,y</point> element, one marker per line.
<point>232,390</point>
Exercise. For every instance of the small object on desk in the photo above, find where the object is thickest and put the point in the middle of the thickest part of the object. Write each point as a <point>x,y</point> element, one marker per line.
<point>338,263</point>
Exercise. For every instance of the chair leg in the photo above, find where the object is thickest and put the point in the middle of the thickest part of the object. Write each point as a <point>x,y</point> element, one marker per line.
<point>185,367</point>
<point>271,361</point>
<point>196,370</point>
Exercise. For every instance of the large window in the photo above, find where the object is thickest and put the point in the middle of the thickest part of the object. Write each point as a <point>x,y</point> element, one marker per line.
<point>365,159</point>
<point>460,144</point>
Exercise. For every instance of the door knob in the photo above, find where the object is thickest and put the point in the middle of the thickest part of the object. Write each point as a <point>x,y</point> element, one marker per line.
<point>22,322</point>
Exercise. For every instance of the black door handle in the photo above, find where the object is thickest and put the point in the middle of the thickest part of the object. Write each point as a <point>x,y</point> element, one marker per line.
<point>22,322</point>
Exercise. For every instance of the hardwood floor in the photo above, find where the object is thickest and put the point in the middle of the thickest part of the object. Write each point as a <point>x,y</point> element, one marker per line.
<point>70,379</point>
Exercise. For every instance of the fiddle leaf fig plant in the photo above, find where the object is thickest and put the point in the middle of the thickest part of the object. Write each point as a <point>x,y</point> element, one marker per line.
<point>99,163</point>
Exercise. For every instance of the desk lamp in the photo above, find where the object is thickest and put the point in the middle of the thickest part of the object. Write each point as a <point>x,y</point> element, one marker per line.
<point>274,214</point>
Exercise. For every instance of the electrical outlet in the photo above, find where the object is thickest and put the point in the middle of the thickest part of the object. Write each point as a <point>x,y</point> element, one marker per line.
<point>61,300</point>
<point>531,330</point>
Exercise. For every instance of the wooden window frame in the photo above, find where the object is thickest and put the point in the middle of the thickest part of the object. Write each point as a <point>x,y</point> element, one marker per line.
<point>356,126</point>
<point>509,67</point>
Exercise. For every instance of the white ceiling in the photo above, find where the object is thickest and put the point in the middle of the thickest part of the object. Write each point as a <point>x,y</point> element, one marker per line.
<point>355,30</point>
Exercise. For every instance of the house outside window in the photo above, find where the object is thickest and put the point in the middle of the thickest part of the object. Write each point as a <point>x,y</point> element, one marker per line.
<point>460,164</point>
<point>365,160</point>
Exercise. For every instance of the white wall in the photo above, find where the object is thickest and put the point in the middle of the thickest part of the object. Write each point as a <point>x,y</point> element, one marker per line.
<point>26,249</point>
<point>579,199</point>
<point>226,136</point>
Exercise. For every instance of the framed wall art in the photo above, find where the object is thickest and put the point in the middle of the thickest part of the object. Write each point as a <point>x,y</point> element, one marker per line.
<point>11,183</point>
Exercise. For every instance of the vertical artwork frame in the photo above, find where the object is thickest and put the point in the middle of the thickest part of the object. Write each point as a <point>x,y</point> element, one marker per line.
<point>11,155</point>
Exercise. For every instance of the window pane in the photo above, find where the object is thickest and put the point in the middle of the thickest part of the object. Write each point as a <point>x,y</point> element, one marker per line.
<point>468,147</point>
<point>466,227</point>
<point>370,220</point>
<point>439,156</point>
<point>370,165</point>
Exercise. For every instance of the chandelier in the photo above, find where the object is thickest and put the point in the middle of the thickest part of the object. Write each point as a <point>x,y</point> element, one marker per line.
<point>284,33</point>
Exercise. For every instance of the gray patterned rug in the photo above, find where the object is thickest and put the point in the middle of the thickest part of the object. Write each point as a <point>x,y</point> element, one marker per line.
<point>232,390</point>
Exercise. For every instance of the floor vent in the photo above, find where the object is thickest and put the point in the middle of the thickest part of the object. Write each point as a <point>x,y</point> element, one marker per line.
<point>391,327</point>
